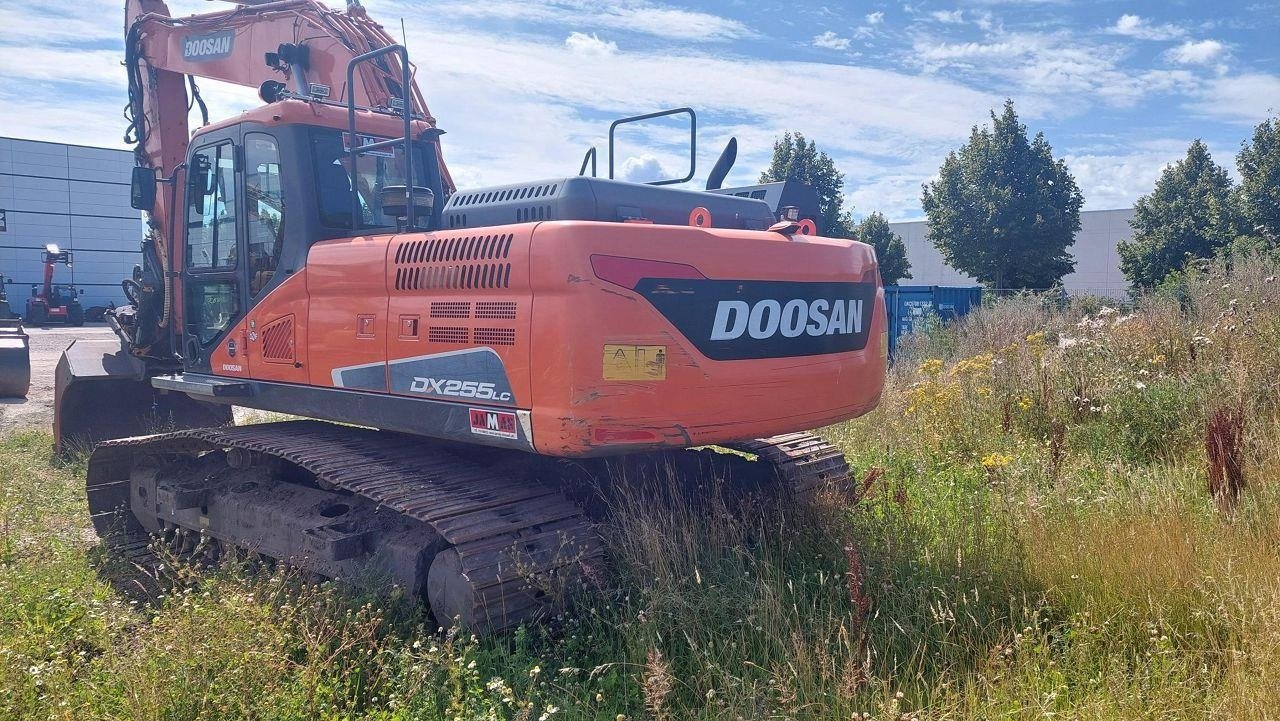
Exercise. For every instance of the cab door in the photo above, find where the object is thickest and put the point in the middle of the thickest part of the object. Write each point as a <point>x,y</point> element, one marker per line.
<point>274,326</point>
<point>213,289</point>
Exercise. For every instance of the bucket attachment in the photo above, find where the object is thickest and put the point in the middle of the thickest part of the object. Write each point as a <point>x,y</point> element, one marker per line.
<point>102,392</point>
<point>15,359</point>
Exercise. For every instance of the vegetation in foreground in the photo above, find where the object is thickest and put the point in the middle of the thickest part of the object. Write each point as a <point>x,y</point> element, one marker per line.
<point>1034,536</point>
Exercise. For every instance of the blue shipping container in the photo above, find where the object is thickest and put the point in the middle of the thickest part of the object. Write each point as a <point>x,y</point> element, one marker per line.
<point>912,307</point>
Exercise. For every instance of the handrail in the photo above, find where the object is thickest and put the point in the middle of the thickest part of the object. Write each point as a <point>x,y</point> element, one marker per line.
<point>590,156</point>
<point>693,141</point>
<point>406,141</point>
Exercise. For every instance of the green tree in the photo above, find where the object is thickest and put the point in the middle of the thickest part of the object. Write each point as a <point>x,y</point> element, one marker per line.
<point>891,252</point>
<point>1003,209</point>
<point>1191,213</point>
<point>794,158</point>
<point>1259,165</point>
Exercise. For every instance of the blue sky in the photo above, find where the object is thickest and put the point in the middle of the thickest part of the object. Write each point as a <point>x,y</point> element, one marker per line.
<point>523,87</point>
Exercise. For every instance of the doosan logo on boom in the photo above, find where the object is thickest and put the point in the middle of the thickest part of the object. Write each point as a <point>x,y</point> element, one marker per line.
<point>208,47</point>
<point>767,318</point>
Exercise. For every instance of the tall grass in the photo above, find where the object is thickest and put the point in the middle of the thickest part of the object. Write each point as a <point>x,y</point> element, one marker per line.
<point>1034,534</point>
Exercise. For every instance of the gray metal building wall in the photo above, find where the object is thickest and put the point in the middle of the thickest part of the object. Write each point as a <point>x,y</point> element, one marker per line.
<point>1097,263</point>
<point>77,197</point>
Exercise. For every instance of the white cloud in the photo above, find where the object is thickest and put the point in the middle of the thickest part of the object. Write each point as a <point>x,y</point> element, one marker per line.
<point>948,16</point>
<point>1196,53</point>
<point>643,169</point>
<point>649,18</point>
<point>831,41</point>
<point>63,64</point>
<point>1114,177</point>
<point>1135,26</point>
<point>590,45</point>
<point>1247,98</point>
<point>1043,69</point>
<point>875,18</point>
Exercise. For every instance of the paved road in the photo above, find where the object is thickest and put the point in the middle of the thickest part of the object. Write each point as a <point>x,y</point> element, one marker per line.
<point>47,345</point>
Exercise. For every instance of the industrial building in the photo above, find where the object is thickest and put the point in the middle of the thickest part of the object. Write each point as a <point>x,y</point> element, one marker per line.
<point>1097,262</point>
<point>74,196</point>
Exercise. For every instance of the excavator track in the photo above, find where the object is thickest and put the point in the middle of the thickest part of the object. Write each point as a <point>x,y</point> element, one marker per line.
<point>802,462</point>
<point>481,535</point>
<point>498,543</point>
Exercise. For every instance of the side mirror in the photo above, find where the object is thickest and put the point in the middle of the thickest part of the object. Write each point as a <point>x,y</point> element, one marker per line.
<point>142,190</point>
<point>199,182</point>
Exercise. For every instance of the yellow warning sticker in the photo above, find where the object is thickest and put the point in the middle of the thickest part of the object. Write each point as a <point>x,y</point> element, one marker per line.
<point>635,362</point>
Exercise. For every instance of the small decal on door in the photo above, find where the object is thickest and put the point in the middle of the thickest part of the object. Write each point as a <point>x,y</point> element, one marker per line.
<point>500,424</point>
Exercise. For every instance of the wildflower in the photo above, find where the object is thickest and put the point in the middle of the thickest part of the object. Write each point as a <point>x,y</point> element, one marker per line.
<point>1157,359</point>
<point>930,367</point>
<point>1025,403</point>
<point>1139,385</point>
<point>996,460</point>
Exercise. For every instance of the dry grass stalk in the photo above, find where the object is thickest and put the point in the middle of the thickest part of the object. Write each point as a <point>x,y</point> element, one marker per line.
<point>658,684</point>
<point>855,582</point>
<point>1224,447</point>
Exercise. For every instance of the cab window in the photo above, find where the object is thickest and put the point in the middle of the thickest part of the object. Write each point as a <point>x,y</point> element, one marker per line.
<point>374,171</point>
<point>211,308</point>
<point>264,209</point>
<point>211,208</point>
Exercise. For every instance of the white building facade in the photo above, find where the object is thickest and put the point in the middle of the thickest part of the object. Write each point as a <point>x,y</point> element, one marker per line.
<point>74,196</point>
<point>1097,262</point>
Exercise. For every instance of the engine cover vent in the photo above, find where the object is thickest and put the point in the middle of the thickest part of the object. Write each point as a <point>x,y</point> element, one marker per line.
<point>505,309</point>
<point>454,262</point>
<point>448,334</point>
<point>277,341</point>
<point>599,199</point>
<point>450,309</point>
<point>495,336</point>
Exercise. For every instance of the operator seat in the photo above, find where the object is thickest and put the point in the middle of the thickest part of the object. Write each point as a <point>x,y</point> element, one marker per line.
<point>335,192</point>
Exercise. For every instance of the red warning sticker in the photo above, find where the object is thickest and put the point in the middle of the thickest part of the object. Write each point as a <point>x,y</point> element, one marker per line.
<point>501,424</point>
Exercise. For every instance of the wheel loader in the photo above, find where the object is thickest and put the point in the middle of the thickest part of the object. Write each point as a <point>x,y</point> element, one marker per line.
<point>462,355</point>
<point>15,349</point>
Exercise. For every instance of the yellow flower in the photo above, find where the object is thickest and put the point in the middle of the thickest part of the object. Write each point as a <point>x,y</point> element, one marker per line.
<point>1025,403</point>
<point>996,460</point>
<point>930,366</point>
<point>1036,338</point>
<point>1157,359</point>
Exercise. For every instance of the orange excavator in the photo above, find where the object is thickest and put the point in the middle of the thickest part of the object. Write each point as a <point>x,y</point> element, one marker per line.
<point>461,353</point>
